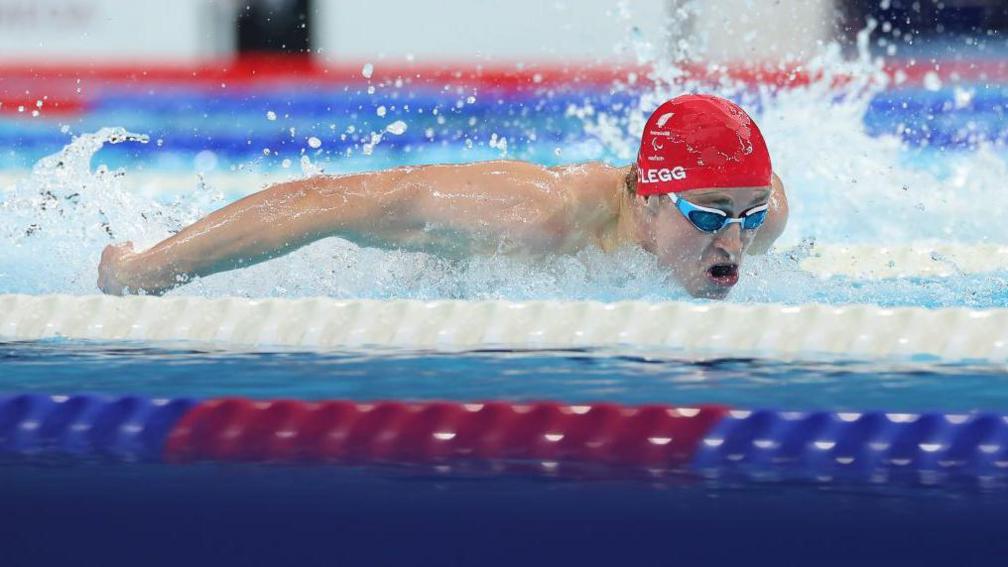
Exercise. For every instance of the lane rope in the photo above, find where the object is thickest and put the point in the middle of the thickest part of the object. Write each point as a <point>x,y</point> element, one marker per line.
<point>500,436</point>
<point>702,329</point>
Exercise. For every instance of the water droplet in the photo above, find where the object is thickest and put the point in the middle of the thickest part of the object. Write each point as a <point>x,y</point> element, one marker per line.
<point>205,161</point>
<point>932,81</point>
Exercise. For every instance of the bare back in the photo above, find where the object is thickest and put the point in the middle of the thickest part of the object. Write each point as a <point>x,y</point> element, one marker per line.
<point>510,206</point>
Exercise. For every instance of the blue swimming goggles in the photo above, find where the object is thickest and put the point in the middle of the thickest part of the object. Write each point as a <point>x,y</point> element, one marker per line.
<point>712,220</point>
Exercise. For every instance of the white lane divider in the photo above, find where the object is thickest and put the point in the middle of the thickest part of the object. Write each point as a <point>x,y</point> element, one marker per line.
<point>702,329</point>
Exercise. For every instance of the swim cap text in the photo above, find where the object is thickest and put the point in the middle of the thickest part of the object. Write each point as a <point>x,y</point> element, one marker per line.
<point>677,173</point>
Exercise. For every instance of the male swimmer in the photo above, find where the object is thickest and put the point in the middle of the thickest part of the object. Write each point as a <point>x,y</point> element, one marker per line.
<point>700,196</point>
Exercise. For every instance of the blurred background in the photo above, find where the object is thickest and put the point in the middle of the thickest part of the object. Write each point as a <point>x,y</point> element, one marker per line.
<point>99,32</point>
<point>261,83</point>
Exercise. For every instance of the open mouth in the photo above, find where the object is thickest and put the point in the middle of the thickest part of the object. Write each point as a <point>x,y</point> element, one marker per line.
<point>723,274</point>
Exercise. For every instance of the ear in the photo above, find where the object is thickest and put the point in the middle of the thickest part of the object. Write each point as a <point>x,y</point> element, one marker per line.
<point>649,209</point>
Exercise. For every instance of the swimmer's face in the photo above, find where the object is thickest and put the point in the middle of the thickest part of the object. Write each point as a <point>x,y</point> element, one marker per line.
<point>705,264</point>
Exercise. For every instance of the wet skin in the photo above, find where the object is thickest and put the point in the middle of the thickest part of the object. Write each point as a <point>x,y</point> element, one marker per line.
<point>498,207</point>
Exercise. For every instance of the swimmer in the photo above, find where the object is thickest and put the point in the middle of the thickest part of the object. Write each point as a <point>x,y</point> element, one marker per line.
<point>700,196</point>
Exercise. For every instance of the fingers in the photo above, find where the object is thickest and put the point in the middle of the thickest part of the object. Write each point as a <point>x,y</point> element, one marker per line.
<point>110,267</point>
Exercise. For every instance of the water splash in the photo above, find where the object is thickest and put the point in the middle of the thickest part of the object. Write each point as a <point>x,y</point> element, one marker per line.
<point>55,222</point>
<point>843,184</point>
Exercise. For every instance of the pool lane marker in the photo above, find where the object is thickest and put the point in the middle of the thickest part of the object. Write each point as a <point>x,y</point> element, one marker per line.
<point>690,329</point>
<point>496,436</point>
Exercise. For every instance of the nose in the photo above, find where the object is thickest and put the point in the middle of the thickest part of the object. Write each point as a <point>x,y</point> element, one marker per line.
<point>729,240</point>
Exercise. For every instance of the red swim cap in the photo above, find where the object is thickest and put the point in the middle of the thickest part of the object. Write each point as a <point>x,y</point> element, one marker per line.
<point>700,141</point>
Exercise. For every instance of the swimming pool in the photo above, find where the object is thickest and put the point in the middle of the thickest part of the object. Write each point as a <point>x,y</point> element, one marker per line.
<point>416,483</point>
<point>928,340</point>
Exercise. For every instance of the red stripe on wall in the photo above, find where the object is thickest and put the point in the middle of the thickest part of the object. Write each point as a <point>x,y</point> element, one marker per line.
<point>264,69</point>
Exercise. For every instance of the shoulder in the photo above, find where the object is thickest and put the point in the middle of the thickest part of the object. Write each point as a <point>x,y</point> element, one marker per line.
<point>528,183</point>
<point>491,167</point>
<point>522,170</point>
<point>778,197</point>
<point>593,182</point>
<point>776,220</point>
<point>494,176</point>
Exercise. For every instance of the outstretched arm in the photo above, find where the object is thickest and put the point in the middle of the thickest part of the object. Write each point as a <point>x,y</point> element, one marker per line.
<point>776,220</point>
<point>400,207</point>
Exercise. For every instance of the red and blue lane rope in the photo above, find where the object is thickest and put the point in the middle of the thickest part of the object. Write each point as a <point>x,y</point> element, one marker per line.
<point>704,439</point>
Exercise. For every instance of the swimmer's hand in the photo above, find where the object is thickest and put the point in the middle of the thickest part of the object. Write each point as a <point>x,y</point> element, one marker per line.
<point>112,270</point>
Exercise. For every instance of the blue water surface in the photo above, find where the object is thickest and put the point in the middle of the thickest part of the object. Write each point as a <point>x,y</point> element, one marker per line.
<point>442,125</point>
<point>66,367</point>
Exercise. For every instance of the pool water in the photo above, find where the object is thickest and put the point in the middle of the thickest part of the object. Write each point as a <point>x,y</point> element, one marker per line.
<point>870,159</point>
<point>627,377</point>
<point>281,515</point>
